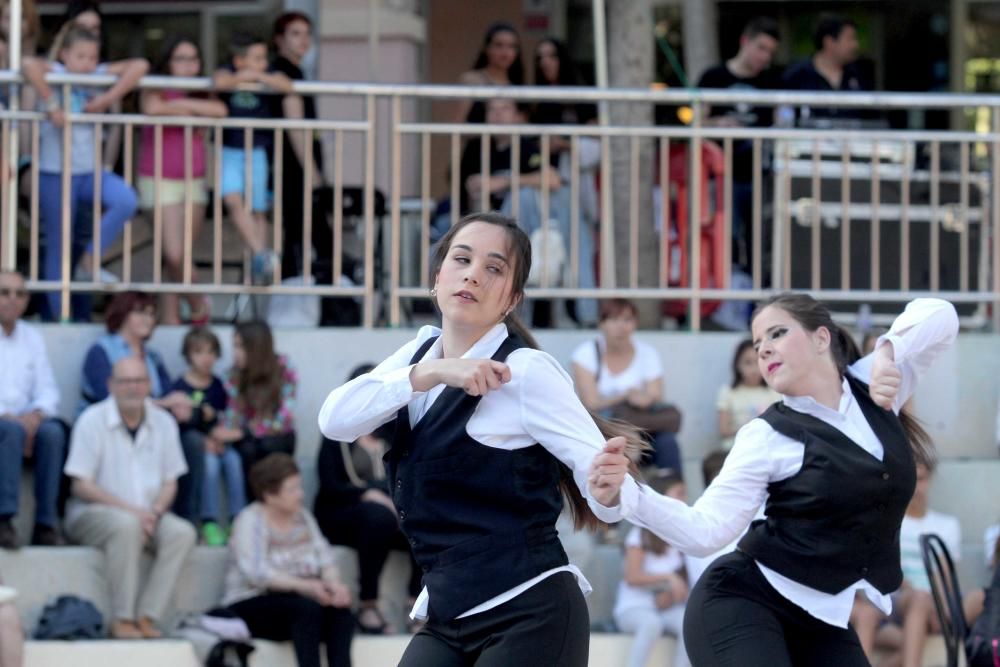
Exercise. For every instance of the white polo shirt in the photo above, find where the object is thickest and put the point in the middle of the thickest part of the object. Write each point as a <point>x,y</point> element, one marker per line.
<point>103,451</point>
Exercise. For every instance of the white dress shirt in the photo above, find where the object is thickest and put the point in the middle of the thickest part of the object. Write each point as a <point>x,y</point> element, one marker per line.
<point>133,469</point>
<point>761,456</point>
<point>538,405</point>
<point>26,380</point>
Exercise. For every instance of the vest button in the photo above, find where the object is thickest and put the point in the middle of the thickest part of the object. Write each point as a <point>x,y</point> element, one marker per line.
<point>399,483</point>
<point>863,570</point>
<point>413,542</point>
<point>885,475</point>
<point>402,515</point>
<point>880,507</point>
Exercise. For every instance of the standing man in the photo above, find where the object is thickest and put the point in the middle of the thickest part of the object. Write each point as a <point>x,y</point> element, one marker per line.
<point>749,69</point>
<point>29,402</point>
<point>831,68</point>
<point>124,459</point>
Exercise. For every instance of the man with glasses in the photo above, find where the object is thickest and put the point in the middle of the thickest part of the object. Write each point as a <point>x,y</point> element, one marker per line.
<point>124,459</point>
<point>29,429</point>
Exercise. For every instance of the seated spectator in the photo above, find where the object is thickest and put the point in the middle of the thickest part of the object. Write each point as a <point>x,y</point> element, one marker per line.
<point>354,508</point>
<point>29,427</point>
<point>124,460</point>
<point>130,320</point>
<point>975,600</point>
<point>913,605</point>
<point>282,580</point>
<point>832,67</point>
<point>746,397</point>
<point>201,349</point>
<point>260,395</point>
<point>11,634</point>
<point>498,64</point>
<point>619,376</point>
<point>652,593</point>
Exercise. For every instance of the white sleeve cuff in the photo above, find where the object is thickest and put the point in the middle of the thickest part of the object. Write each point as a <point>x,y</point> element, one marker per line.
<point>898,346</point>
<point>397,381</point>
<point>628,500</point>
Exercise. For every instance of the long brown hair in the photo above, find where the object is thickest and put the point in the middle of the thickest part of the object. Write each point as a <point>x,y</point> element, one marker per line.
<point>812,315</point>
<point>519,254</point>
<point>260,380</point>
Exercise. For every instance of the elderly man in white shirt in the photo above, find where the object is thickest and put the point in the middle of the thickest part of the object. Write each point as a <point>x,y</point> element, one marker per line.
<point>124,459</point>
<point>29,401</point>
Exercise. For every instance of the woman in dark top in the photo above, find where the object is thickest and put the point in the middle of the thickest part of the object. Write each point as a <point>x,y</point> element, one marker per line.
<point>354,508</point>
<point>292,37</point>
<point>554,67</point>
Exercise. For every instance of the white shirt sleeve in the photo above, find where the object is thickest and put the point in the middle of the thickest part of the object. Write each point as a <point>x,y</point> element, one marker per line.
<point>46,395</point>
<point>366,402</point>
<point>925,329</point>
<point>726,508</point>
<point>553,415</point>
<point>585,356</point>
<point>84,448</point>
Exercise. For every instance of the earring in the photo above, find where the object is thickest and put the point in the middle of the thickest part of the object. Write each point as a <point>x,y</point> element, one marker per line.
<point>434,291</point>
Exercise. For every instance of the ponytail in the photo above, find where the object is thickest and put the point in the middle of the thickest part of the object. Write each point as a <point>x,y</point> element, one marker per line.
<point>635,445</point>
<point>846,352</point>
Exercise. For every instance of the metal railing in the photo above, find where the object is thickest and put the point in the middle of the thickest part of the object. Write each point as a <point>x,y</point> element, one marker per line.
<point>851,215</point>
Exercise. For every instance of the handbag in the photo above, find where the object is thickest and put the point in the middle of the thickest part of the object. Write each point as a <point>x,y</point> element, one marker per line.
<point>657,418</point>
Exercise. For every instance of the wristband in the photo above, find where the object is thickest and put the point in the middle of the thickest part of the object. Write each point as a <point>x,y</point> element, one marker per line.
<point>52,104</point>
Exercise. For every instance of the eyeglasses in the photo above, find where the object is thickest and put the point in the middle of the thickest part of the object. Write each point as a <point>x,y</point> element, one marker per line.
<point>185,59</point>
<point>9,292</point>
<point>131,381</point>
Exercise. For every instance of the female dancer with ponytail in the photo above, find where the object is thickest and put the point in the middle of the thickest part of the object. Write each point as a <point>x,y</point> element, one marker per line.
<point>489,438</point>
<point>835,461</point>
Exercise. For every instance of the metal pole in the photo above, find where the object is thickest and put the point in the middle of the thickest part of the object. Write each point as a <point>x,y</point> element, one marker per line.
<point>373,39</point>
<point>9,259</point>
<point>601,55</point>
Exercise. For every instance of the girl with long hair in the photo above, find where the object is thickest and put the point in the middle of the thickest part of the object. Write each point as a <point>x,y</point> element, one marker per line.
<point>498,64</point>
<point>180,57</point>
<point>745,397</point>
<point>261,391</point>
<point>835,462</point>
<point>490,437</point>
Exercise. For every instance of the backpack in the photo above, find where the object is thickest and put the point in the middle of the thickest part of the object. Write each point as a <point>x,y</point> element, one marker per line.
<point>70,617</point>
<point>982,646</point>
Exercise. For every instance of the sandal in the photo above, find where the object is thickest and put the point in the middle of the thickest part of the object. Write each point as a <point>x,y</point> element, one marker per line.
<point>381,629</point>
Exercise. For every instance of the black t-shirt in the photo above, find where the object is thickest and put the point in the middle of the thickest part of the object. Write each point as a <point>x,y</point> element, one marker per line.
<point>246,104</point>
<point>289,159</point>
<point>805,76</point>
<point>208,403</point>
<point>500,162</point>
<point>746,114</point>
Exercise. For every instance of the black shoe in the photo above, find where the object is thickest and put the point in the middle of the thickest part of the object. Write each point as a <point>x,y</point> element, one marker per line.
<point>46,536</point>
<point>8,536</point>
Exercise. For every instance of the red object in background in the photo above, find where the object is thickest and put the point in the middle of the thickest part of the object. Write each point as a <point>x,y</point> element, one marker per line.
<point>676,232</point>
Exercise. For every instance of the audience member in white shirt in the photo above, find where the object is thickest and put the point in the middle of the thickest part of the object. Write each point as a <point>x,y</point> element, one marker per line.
<point>786,595</point>
<point>29,429</point>
<point>654,588</point>
<point>913,604</point>
<point>124,460</point>
<point>474,401</point>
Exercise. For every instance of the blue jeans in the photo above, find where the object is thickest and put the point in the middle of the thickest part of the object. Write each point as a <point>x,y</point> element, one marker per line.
<point>530,219</point>
<point>187,502</point>
<point>49,455</point>
<point>229,464</point>
<point>118,204</point>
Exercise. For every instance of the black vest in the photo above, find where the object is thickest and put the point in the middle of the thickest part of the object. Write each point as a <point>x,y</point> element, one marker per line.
<point>479,520</point>
<point>837,520</point>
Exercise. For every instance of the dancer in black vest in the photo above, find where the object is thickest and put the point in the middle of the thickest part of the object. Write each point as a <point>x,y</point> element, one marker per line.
<point>834,461</point>
<point>489,437</point>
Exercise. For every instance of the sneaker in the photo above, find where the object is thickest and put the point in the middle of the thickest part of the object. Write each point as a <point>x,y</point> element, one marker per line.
<point>46,536</point>
<point>8,535</point>
<point>212,534</point>
<point>83,274</point>
<point>263,267</point>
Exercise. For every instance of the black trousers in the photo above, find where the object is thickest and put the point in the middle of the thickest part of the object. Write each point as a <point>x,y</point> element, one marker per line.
<point>735,618</point>
<point>290,616</point>
<point>546,625</point>
<point>372,530</point>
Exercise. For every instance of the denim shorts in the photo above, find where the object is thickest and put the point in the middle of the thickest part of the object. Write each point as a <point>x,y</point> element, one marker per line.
<point>234,176</point>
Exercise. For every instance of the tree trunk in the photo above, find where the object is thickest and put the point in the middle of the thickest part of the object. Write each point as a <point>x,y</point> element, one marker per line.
<point>701,43</point>
<point>630,65</point>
